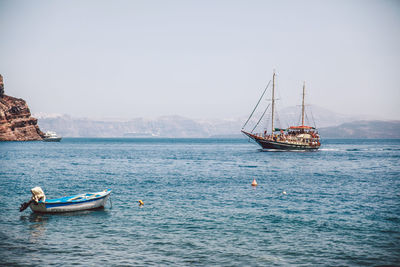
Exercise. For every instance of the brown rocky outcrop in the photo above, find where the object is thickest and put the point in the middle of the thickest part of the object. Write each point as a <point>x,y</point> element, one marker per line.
<point>16,122</point>
<point>1,86</point>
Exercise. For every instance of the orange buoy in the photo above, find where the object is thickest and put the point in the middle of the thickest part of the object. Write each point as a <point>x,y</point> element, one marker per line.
<point>254,183</point>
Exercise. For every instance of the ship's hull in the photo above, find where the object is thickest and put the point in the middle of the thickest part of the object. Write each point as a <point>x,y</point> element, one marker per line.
<point>276,145</point>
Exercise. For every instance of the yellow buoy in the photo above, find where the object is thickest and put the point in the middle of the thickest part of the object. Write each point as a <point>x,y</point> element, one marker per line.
<point>141,203</point>
<point>254,183</point>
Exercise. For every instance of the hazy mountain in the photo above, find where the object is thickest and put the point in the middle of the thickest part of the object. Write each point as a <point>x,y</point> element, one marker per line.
<point>167,126</point>
<point>177,126</point>
<point>317,116</point>
<point>363,129</point>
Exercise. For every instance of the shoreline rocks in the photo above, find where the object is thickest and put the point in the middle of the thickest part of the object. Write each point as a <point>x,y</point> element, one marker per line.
<point>16,122</point>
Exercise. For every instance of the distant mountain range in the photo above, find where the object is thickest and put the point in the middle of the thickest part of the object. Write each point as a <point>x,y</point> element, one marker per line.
<point>363,130</point>
<point>167,126</point>
<point>330,125</point>
<point>318,116</point>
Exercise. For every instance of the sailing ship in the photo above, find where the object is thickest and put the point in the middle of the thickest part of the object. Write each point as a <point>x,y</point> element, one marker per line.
<point>301,137</point>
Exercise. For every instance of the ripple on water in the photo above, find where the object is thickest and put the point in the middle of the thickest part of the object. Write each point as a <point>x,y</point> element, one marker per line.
<point>341,205</point>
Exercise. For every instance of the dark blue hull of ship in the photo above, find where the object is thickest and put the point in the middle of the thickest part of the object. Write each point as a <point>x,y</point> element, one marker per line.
<point>276,145</point>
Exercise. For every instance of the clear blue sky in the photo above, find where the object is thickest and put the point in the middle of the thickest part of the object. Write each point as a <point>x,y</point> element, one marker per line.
<point>200,59</point>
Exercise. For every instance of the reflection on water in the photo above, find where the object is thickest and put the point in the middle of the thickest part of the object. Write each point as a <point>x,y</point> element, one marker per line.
<point>36,225</point>
<point>98,212</point>
<point>39,222</point>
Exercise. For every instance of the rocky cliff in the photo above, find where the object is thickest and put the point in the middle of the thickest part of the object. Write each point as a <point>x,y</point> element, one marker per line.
<point>16,122</point>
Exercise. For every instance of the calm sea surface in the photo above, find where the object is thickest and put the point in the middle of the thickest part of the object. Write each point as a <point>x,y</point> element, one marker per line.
<point>341,207</point>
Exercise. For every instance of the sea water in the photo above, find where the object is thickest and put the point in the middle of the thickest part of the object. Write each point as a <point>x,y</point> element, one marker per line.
<point>336,206</point>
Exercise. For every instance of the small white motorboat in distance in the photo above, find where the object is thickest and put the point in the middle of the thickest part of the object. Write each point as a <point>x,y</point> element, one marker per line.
<point>50,136</point>
<point>87,201</point>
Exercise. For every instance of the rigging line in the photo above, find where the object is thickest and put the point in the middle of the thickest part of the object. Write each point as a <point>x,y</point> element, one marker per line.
<point>299,119</point>
<point>256,105</point>
<point>278,119</point>
<point>268,123</point>
<point>307,120</point>
<point>260,118</point>
<point>312,116</point>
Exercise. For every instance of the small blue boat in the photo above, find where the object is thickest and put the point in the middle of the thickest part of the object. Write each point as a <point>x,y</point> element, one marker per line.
<point>85,201</point>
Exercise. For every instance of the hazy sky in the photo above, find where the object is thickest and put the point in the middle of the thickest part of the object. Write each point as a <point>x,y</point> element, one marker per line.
<point>200,59</point>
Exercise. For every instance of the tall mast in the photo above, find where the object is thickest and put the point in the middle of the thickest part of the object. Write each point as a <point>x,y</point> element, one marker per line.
<point>273,101</point>
<point>302,106</point>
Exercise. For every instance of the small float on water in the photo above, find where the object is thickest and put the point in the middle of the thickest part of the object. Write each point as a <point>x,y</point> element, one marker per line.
<point>50,136</point>
<point>87,201</point>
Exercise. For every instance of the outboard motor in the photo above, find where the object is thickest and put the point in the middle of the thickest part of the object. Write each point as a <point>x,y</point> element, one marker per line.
<point>37,195</point>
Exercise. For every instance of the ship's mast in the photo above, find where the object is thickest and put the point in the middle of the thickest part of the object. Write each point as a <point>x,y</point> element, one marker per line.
<point>302,106</point>
<point>273,102</point>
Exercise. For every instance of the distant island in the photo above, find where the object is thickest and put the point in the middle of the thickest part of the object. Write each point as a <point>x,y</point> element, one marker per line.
<point>181,127</point>
<point>363,130</point>
<point>16,122</point>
